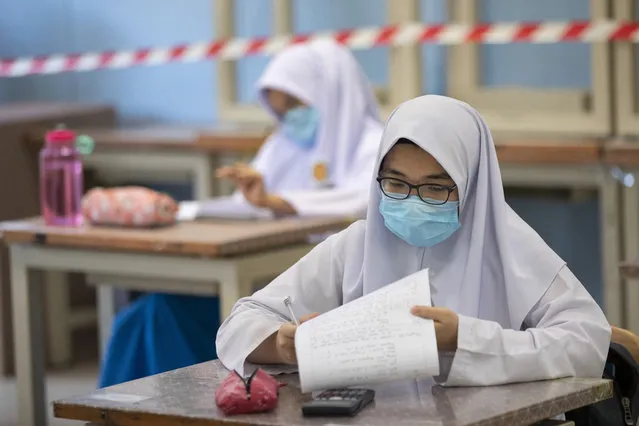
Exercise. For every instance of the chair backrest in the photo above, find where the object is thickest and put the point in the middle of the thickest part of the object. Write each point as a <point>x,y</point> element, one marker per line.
<point>623,407</point>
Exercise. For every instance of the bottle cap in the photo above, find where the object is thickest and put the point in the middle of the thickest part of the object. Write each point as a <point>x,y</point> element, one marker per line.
<point>60,136</point>
<point>83,143</point>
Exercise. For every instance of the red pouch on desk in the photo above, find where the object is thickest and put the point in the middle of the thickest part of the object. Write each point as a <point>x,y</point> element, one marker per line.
<point>257,394</point>
<point>130,206</point>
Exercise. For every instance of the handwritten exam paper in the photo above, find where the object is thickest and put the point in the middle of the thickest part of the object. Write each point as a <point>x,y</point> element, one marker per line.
<point>372,339</point>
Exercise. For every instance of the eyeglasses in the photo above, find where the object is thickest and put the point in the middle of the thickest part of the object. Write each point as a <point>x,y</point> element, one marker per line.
<point>429,193</point>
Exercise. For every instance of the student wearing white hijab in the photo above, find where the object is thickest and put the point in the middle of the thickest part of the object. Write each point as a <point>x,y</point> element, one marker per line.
<point>319,161</point>
<point>506,307</point>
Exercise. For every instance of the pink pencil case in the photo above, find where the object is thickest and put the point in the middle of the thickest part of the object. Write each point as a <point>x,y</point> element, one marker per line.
<point>130,206</point>
<point>255,394</point>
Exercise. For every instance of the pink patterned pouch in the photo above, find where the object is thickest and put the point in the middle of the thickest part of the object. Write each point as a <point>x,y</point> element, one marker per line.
<point>255,394</point>
<point>130,206</point>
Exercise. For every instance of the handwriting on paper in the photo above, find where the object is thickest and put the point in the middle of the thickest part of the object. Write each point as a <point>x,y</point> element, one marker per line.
<point>372,339</point>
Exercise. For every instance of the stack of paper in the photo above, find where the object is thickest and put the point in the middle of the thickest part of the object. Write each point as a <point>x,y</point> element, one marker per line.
<point>230,207</point>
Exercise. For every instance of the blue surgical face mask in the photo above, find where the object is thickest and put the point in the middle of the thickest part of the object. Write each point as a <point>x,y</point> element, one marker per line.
<point>418,223</point>
<point>300,126</point>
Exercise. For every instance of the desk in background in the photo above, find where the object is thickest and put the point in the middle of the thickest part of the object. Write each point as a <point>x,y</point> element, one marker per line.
<point>187,396</point>
<point>221,258</point>
<point>625,155</point>
<point>19,197</point>
<point>151,154</point>
<point>573,164</point>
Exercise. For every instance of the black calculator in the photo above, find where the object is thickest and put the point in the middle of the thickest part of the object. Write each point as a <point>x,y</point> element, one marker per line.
<point>338,402</point>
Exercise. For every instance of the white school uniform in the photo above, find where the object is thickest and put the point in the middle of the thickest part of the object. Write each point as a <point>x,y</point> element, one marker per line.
<point>523,315</point>
<point>332,178</point>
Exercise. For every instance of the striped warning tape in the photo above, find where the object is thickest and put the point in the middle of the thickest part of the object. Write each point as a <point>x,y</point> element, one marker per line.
<point>357,39</point>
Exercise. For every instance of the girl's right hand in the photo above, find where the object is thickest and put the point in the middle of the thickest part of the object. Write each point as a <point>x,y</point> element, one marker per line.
<point>285,340</point>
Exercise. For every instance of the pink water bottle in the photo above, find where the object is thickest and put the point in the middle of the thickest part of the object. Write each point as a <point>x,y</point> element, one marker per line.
<point>61,180</point>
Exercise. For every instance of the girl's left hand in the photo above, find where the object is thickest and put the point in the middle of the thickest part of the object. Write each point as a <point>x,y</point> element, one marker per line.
<point>446,325</point>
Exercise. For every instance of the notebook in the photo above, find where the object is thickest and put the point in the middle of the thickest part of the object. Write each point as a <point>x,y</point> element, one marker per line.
<point>372,339</point>
<point>229,207</point>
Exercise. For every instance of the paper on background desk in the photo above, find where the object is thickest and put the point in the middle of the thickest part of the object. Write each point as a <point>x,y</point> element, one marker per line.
<point>229,207</point>
<point>370,340</point>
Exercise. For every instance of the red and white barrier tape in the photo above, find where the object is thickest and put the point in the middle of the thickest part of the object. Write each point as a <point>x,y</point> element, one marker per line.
<point>361,38</point>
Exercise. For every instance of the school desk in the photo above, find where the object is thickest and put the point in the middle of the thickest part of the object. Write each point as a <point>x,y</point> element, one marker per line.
<point>625,155</point>
<point>573,164</point>
<point>150,153</point>
<point>221,258</point>
<point>19,195</point>
<point>187,396</point>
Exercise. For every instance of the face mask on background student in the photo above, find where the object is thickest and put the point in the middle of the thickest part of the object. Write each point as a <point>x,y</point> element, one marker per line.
<point>300,125</point>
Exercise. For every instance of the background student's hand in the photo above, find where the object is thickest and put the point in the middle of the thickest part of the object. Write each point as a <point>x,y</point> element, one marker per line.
<point>248,180</point>
<point>446,325</point>
<point>251,183</point>
<point>285,341</point>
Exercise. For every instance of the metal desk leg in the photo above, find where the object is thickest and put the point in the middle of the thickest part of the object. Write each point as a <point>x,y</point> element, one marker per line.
<point>233,288</point>
<point>631,252</point>
<point>609,196</point>
<point>29,348</point>
<point>58,317</point>
<point>106,312</point>
<point>203,178</point>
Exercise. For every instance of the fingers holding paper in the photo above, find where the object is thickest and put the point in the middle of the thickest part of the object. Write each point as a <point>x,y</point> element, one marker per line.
<point>285,340</point>
<point>446,325</point>
<point>235,171</point>
<point>248,180</point>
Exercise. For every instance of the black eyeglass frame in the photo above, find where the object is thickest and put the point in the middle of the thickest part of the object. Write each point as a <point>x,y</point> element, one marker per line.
<point>450,189</point>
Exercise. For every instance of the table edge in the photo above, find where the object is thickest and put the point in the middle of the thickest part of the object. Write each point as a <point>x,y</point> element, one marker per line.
<point>123,417</point>
<point>245,246</point>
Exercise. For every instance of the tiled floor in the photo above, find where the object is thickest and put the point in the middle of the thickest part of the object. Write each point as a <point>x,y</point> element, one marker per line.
<point>78,379</point>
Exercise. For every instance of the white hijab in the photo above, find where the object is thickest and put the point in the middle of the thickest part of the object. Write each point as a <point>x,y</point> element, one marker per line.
<point>325,75</point>
<point>495,267</point>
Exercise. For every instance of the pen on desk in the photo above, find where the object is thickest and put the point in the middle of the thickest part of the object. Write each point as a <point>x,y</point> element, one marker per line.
<point>287,302</point>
